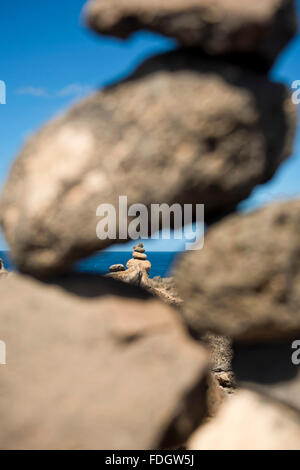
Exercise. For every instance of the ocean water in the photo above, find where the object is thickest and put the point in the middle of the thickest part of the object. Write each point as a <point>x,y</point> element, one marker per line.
<point>162,261</point>
<point>7,260</point>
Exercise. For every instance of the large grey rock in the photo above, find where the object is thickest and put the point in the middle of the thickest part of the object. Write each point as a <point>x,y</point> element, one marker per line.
<point>218,27</point>
<point>245,283</point>
<point>249,421</point>
<point>95,364</point>
<point>270,369</point>
<point>180,130</point>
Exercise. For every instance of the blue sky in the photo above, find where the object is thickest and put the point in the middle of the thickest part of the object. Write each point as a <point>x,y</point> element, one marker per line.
<point>48,59</point>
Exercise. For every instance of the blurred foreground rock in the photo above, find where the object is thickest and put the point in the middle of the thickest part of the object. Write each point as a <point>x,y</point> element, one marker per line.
<point>92,364</point>
<point>219,27</point>
<point>245,283</point>
<point>249,421</point>
<point>179,130</point>
<point>270,369</point>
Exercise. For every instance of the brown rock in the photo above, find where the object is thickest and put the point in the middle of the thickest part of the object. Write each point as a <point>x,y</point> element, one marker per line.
<point>95,364</point>
<point>248,421</point>
<point>137,272</point>
<point>140,256</point>
<point>116,268</point>
<point>215,396</point>
<point>245,283</point>
<point>141,264</point>
<point>139,249</point>
<point>226,381</point>
<point>221,360</point>
<point>271,369</point>
<point>144,282</point>
<point>220,351</point>
<point>133,275</point>
<point>202,131</point>
<point>219,27</point>
<point>166,283</point>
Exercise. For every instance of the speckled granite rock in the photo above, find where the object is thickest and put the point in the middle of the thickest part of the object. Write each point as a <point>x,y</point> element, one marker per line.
<point>179,130</point>
<point>245,283</point>
<point>217,27</point>
<point>95,364</point>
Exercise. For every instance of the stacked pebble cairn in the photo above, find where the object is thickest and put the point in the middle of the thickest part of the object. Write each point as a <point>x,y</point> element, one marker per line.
<point>137,271</point>
<point>139,258</point>
<point>112,366</point>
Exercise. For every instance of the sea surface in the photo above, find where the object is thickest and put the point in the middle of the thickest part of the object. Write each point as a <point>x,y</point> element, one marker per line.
<point>99,263</point>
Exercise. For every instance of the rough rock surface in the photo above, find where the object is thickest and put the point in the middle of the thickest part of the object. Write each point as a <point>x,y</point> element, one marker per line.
<point>140,256</point>
<point>139,249</point>
<point>92,364</point>
<point>221,360</point>
<point>114,268</point>
<point>180,130</point>
<point>272,369</point>
<point>215,396</point>
<point>219,347</point>
<point>164,288</point>
<point>218,27</point>
<point>245,283</point>
<point>135,275</point>
<point>221,352</point>
<point>249,422</point>
<point>139,264</point>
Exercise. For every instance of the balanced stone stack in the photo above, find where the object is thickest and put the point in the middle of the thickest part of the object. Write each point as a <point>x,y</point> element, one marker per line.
<point>139,258</point>
<point>137,271</point>
<point>201,124</point>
